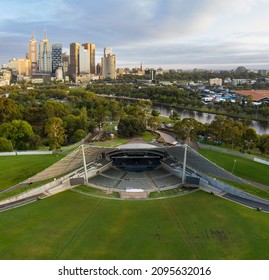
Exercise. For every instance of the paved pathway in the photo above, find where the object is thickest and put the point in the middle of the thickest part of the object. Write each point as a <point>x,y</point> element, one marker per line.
<point>167,137</point>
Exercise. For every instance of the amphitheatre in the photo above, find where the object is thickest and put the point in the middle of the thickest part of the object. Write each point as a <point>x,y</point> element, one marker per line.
<point>108,203</point>
<point>134,170</point>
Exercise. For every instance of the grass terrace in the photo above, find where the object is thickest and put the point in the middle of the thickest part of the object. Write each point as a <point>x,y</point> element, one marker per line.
<point>244,168</point>
<point>15,169</point>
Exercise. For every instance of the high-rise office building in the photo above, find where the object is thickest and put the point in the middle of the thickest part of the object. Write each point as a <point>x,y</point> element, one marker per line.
<point>20,66</point>
<point>33,53</point>
<point>91,49</point>
<point>45,64</point>
<point>84,61</point>
<point>107,51</point>
<point>109,64</point>
<point>74,61</point>
<point>56,57</point>
<point>65,61</point>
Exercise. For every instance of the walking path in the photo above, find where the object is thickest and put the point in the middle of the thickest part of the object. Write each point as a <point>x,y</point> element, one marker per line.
<point>167,138</point>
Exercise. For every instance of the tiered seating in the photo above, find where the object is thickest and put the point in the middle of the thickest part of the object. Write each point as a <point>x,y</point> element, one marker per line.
<point>103,181</point>
<point>157,173</point>
<point>114,173</point>
<point>135,175</point>
<point>167,181</point>
<point>137,183</point>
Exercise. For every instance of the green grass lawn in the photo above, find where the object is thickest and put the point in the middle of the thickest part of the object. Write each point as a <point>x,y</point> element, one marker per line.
<point>75,226</point>
<point>244,168</point>
<point>146,136</point>
<point>15,169</point>
<point>112,143</point>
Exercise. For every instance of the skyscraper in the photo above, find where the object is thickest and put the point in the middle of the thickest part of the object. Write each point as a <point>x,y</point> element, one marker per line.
<point>45,64</point>
<point>65,61</point>
<point>91,49</point>
<point>20,66</point>
<point>56,57</point>
<point>33,53</point>
<point>84,61</point>
<point>109,64</point>
<point>74,61</point>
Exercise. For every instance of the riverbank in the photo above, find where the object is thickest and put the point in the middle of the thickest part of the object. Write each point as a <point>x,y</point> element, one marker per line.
<point>203,115</point>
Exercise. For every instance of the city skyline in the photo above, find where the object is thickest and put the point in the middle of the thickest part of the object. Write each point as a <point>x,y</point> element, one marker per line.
<point>170,34</point>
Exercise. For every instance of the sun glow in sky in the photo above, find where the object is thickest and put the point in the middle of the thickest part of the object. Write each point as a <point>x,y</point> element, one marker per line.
<point>182,34</point>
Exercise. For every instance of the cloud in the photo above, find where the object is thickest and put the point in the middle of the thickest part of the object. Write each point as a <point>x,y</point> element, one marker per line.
<point>164,31</point>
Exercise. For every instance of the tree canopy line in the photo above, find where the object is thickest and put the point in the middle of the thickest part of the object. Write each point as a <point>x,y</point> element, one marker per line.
<point>176,95</point>
<point>55,116</point>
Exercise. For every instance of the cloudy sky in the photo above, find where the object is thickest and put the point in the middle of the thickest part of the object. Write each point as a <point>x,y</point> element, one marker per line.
<point>184,34</point>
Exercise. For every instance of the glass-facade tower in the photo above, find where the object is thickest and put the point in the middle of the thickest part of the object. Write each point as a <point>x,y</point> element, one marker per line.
<point>56,57</point>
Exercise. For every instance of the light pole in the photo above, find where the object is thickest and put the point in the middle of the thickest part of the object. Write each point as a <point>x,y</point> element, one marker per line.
<point>234,165</point>
<point>184,164</point>
<point>84,164</point>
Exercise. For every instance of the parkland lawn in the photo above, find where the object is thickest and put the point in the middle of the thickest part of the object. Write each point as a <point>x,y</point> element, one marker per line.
<point>71,225</point>
<point>15,169</point>
<point>244,168</point>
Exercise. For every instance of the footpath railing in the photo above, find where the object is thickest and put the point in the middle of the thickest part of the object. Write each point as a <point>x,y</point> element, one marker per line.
<point>25,153</point>
<point>231,190</point>
<point>226,151</point>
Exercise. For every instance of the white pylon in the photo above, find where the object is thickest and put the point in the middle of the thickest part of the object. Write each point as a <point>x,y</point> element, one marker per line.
<point>184,164</point>
<point>84,164</point>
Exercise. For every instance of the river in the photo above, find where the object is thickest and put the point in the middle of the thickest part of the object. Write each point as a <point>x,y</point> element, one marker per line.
<point>261,127</point>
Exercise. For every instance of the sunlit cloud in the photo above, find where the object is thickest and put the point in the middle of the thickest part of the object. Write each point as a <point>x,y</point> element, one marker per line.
<point>159,32</point>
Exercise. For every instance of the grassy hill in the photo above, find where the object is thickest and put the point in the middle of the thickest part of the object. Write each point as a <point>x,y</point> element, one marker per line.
<point>75,226</point>
<point>15,169</point>
<point>244,168</point>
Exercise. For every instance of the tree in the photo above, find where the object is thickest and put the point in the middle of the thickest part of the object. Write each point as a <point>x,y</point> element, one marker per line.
<point>100,115</point>
<point>35,142</point>
<point>135,111</point>
<point>154,122</point>
<point>130,127</point>
<point>227,130</point>
<point>174,116</point>
<point>249,138</point>
<point>54,128</point>
<point>24,134</point>
<point>71,124</point>
<point>155,113</point>
<point>263,144</point>
<point>19,132</point>
<point>55,109</point>
<point>5,145</point>
<point>115,110</point>
<point>8,110</point>
<point>188,129</point>
<point>83,119</point>
<point>79,135</point>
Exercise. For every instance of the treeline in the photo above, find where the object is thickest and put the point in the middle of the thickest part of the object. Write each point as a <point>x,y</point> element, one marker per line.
<point>234,134</point>
<point>56,115</point>
<point>206,75</point>
<point>51,117</point>
<point>172,95</point>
